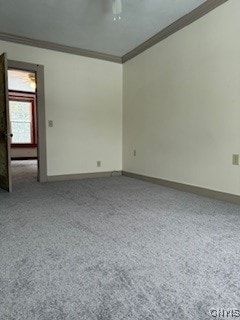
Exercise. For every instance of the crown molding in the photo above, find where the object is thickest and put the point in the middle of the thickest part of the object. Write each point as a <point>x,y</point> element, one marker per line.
<point>179,24</point>
<point>58,47</point>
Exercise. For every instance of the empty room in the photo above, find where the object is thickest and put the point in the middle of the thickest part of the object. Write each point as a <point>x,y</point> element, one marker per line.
<point>119,160</point>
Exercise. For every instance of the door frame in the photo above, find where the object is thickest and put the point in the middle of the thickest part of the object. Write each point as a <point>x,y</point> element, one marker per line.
<point>41,115</point>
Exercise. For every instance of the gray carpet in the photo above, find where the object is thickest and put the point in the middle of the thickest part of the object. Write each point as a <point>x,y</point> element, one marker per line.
<point>23,171</point>
<point>115,248</point>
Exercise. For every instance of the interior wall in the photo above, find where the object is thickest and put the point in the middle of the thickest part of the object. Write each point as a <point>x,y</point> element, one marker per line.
<point>23,152</point>
<point>181,104</point>
<point>83,98</point>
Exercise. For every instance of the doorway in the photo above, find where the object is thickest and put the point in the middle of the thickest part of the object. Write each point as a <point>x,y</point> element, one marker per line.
<point>23,125</point>
<point>27,122</point>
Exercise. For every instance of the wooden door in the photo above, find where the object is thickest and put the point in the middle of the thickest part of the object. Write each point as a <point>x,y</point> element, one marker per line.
<point>5,138</point>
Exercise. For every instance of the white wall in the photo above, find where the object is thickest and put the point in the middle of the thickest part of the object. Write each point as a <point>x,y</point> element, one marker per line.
<point>84,100</point>
<point>182,104</point>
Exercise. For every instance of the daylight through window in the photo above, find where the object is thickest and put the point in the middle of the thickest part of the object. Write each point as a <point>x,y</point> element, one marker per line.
<point>22,109</point>
<point>21,121</point>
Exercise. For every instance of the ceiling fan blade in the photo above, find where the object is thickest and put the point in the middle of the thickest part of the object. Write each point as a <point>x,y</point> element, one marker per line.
<point>117,7</point>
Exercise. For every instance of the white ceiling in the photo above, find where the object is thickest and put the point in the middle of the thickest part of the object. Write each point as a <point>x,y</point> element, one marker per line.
<point>89,24</point>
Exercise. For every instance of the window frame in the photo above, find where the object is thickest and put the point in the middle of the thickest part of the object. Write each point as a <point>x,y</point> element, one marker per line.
<point>26,97</point>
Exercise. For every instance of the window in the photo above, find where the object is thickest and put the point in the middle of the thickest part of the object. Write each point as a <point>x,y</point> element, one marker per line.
<point>20,80</point>
<point>22,119</point>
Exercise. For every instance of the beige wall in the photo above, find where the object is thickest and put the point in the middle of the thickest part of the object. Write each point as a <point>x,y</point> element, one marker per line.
<point>182,104</point>
<point>84,100</point>
<point>23,152</point>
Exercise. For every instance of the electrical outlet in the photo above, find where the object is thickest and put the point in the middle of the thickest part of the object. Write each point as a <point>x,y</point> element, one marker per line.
<point>99,164</point>
<point>235,159</point>
<point>134,153</point>
<point>50,123</point>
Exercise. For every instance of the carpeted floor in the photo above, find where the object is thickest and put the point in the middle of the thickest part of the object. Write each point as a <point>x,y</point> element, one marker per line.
<point>23,171</point>
<point>115,248</point>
